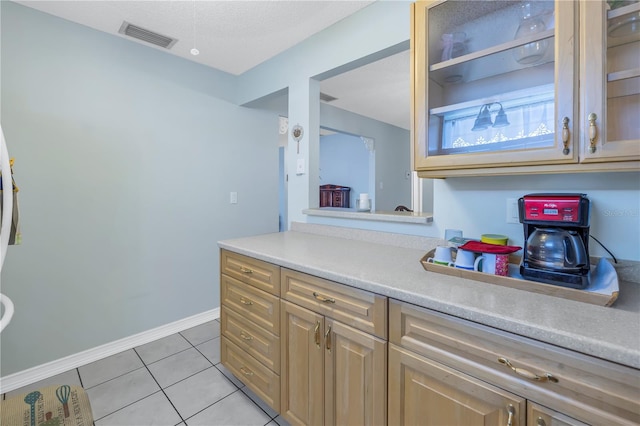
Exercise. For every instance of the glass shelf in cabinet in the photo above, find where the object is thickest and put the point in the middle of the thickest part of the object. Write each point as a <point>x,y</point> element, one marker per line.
<point>624,21</point>
<point>493,50</point>
<point>490,62</point>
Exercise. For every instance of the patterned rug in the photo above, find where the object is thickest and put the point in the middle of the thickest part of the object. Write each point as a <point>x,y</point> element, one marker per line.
<point>58,405</point>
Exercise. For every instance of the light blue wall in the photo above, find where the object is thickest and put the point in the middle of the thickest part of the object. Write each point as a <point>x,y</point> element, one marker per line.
<point>125,158</point>
<point>475,205</point>
<point>392,154</point>
<point>376,31</point>
<point>344,161</point>
<point>478,205</point>
<point>129,242</point>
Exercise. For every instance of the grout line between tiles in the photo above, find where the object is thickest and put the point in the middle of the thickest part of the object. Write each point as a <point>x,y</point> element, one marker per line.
<point>256,404</point>
<point>161,389</point>
<point>107,381</point>
<point>128,405</point>
<point>211,405</point>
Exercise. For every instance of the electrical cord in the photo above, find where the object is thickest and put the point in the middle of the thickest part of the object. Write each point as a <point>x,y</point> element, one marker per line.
<point>614,258</point>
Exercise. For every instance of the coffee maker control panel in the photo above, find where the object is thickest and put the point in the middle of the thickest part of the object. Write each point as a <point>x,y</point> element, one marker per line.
<point>568,209</point>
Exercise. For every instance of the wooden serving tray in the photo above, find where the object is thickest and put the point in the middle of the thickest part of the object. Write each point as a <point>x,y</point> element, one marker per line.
<point>603,289</point>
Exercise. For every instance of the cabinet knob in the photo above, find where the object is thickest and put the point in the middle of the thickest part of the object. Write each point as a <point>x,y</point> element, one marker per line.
<point>546,377</point>
<point>540,422</point>
<point>316,332</point>
<point>246,371</point>
<point>512,411</point>
<point>565,135</point>
<point>593,132</point>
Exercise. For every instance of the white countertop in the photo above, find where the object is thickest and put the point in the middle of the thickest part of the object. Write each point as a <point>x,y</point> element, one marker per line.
<point>378,216</point>
<point>611,333</point>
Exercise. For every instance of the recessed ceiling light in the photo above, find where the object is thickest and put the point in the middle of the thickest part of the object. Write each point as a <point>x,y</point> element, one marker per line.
<point>195,52</point>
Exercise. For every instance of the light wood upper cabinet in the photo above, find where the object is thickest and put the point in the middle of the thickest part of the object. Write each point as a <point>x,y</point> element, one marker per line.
<point>610,82</point>
<point>504,87</point>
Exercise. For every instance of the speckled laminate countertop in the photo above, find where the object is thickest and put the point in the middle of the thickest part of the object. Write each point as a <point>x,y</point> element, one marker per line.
<point>611,333</point>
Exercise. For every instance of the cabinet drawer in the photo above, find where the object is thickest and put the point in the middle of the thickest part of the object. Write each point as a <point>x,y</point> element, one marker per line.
<point>593,390</point>
<point>264,382</point>
<point>259,343</point>
<point>257,306</point>
<point>360,309</point>
<point>259,274</point>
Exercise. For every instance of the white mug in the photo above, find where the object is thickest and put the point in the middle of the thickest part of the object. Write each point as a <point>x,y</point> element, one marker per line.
<point>467,260</point>
<point>495,264</point>
<point>442,256</point>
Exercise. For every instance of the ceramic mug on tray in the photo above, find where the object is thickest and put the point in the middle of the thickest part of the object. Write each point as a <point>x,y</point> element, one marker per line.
<point>442,256</point>
<point>467,260</point>
<point>494,264</point>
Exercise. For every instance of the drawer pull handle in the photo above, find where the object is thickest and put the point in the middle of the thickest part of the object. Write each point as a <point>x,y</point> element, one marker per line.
<point>546,377</point>
<point>317,334</point>
<point>323,299</point>
<point>327,339</point>
<point>246,336</point>
<point>540,422</point>
<point>245,301</point>
<point>245,270</point>
<point>512,412</point>
<point>246,371</point>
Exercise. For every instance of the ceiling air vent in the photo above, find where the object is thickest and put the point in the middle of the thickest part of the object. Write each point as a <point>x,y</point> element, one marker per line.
<point>146,35</point>
<point>326,98</point>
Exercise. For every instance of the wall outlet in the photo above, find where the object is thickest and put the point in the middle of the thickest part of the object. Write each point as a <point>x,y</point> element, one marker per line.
<point>233,197</point>
<point>512,211</point>
<point>300,166</point>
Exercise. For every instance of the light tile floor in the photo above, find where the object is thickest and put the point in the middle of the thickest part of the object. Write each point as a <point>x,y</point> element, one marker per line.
<point>176,380</point>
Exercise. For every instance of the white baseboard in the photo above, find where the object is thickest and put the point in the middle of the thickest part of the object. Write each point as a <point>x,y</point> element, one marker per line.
<point>44,371</point>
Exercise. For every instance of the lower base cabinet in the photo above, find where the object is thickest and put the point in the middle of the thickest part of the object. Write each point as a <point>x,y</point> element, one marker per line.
<point>317,352</point>
<point>542,416</point>
<point>449,371</point>
<point>331,373</point>
<point>427,393</point>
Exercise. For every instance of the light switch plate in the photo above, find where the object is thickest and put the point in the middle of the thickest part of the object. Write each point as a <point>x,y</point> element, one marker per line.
<point>300,166</point>
<point>512,211</point>
<point>233,197</point>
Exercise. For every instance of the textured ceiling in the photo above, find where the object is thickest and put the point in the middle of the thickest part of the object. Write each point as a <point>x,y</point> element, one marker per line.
<point>232,36</point>
<point>235,36</point>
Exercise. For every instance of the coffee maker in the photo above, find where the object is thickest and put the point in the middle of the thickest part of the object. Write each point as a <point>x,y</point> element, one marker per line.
<point>556,235</point>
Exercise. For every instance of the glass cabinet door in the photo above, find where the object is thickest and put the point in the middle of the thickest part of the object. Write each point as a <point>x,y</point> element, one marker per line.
<point>610,72</point>
<point>494,83</point>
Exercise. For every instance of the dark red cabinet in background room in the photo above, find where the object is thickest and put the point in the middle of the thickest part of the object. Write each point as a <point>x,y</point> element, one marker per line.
<point>334,196</point>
